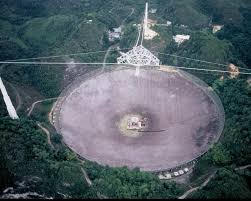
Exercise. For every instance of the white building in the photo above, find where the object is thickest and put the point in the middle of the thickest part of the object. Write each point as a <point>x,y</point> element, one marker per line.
<point>153,10</point>
<point>168,176</point>
<point>217,28</point>
<point>115,34</point>
<point>181,38</point>
<point>181,172</point>
<point>186,169</point>
<point>168,23</point>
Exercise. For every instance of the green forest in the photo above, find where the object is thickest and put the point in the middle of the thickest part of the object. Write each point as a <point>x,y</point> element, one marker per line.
<point>38,28</point>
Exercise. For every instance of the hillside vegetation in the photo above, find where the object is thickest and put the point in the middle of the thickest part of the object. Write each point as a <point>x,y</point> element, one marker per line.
<point>35,28</point>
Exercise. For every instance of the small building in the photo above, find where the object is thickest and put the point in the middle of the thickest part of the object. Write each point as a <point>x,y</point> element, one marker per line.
<point>115,34</point>
<point>153,10</point>
<point>183,26</point>
<point>176,174</point>
<point>186,169</point>
<point>217,28</point>
<point>181,172</point>
<point>233,70</point>
<point>181,38</point>
<point>117,30</point>
<point>168,23</point>
<point>135,123</point>
<point>168,176</point>
<point>161,176</point>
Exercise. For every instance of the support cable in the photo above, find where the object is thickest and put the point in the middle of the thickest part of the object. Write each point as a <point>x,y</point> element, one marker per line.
<point>64,55</point>
<point>198,60</point>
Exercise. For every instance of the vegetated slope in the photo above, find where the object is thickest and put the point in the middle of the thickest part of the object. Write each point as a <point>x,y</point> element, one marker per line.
<point>201,46</point>
<point>3,111</point>
<point>47,32</point>
<point>43,35</point>
<point>31,28</point>
<point>42,28</point>
<point>223,11</point>
<point>186,12</point>
<point>235,16</point>
<point>239,35</point>
<point>26,157</point>
<point>225,184</point>
<point>230,45</point>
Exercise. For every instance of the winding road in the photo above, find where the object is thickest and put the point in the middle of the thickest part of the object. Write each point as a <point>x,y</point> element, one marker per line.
<point>106,55</point>
<point>39,101</point>
<point>198,187</point>
<point>207,181</point>
<point>132,11</point>
<point>47,133</point>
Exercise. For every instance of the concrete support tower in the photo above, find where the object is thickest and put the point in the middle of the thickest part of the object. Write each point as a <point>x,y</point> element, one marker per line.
<point>145,19</point>
<point>11,110</point>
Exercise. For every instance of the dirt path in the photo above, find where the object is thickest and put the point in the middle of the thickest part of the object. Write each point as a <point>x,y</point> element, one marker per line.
<point>242,167</point>
<point>86,177</point>
<point>198,187</point>
<point>106,55</point>
<point>207,181</point>
<point>132,11</point>
<point>100,196</point>
<point>113,46</point>
<point>34,104</point>
<point>47,133</point>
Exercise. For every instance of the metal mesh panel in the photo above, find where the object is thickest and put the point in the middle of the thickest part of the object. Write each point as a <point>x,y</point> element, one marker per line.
<point>189,77</point>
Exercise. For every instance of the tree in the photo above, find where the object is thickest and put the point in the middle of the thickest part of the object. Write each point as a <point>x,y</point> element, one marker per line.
<point>220,155</point>
<point>226,184</point>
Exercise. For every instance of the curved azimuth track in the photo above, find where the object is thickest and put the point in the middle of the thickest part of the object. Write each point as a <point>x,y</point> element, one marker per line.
<point>94,112</point>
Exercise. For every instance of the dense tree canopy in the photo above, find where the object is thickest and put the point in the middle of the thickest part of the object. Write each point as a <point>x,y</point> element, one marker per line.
<point>226,184</point>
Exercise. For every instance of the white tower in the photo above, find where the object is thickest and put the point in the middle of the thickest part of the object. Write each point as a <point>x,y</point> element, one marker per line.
<point>11,110</point>
<point>146,18</point>
<point>139,55</point>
